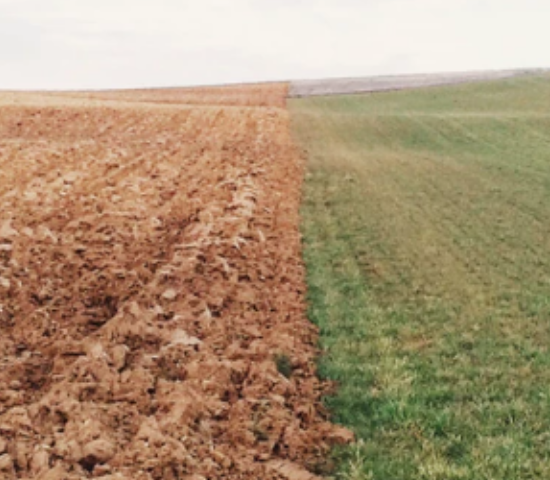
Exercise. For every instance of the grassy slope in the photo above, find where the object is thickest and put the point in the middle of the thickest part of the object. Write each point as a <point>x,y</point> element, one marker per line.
<point>427,240</point>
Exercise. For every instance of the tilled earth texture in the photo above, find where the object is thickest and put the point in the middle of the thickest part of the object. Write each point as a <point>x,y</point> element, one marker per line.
<point>152,318</point>
<point>260,95</point>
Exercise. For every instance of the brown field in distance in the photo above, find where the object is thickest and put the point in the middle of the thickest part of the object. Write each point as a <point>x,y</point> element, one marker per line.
<point>251,95</point>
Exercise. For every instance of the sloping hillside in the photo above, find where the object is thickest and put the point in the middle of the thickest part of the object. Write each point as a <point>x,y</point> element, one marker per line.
<point>426,224</point>
<point>381,83</point>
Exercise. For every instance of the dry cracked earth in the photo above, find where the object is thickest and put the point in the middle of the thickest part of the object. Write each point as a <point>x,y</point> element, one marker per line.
<point>152,313</point>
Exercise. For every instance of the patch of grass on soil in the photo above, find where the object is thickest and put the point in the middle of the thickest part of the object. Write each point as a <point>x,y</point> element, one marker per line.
<point>426,224</point>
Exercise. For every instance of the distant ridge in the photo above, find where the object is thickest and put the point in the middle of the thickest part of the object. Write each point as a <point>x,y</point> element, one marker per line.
<point>341,86</point>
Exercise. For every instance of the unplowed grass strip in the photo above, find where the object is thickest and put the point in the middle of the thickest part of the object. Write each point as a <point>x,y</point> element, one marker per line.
<point>426,224</point>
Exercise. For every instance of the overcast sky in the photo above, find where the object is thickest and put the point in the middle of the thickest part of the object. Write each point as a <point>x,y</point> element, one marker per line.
<point>60,44</point>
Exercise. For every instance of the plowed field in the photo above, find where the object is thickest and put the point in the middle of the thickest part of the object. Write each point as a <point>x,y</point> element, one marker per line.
<point>152,319</point>
<point>260,95</point>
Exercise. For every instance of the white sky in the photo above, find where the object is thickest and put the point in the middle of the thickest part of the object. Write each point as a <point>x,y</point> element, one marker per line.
<point>57,44</point>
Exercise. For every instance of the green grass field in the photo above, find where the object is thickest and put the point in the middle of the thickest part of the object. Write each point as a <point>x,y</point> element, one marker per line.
<point>426,222</point>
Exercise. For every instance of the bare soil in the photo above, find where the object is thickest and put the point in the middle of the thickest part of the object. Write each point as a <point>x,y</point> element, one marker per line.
<point>152,317</point>
<point>257,95</point>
